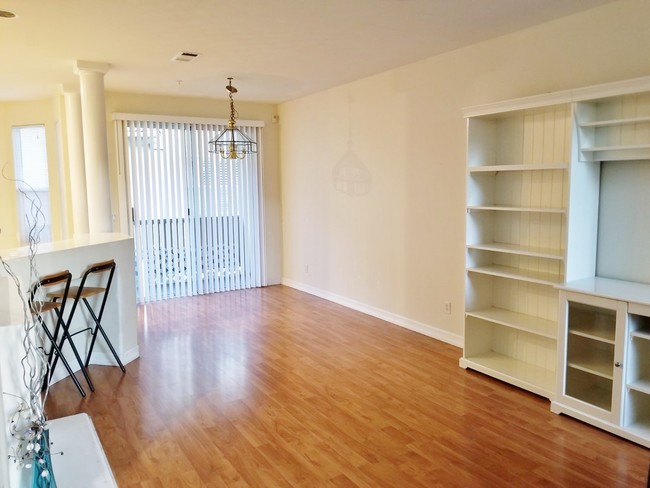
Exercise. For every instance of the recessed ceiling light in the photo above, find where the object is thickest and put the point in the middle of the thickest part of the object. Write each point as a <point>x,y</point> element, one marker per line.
<point>5,14</point>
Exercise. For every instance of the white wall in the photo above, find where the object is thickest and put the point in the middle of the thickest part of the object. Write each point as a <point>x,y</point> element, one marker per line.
<point>398,250</point>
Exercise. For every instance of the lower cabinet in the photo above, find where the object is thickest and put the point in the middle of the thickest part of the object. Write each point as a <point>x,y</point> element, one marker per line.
<point>604,357</point>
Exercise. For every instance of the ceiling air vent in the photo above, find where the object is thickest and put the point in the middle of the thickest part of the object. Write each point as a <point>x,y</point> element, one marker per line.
<point>185,56</point>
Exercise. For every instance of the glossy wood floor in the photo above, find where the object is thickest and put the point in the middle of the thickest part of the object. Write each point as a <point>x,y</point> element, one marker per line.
<point>273,387</point>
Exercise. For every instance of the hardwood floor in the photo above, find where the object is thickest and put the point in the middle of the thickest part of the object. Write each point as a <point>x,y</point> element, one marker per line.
<point>274,387</point>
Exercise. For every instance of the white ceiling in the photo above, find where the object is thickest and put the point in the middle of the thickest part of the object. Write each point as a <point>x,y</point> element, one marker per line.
<point>276,50</point>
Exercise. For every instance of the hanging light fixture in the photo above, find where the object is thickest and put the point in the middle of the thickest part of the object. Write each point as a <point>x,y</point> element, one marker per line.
<point>231,143</point>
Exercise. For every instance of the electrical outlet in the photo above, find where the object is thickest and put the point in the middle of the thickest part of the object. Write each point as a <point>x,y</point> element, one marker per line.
<point>448,307</point>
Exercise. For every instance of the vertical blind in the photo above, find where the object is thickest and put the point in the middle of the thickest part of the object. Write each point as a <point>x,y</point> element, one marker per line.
<point>196,218</point>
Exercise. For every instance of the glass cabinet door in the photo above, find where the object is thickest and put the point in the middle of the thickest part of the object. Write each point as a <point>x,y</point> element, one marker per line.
<point>594,348</point>
<point>591,338</point>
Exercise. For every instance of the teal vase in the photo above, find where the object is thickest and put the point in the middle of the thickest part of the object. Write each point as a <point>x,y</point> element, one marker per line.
<point>43,463</point>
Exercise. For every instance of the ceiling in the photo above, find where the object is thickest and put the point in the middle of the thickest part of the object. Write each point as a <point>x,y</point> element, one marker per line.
<point>276,50</point>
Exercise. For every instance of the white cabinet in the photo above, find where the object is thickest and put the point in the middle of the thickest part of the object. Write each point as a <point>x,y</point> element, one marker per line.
<point>604,356</point>
<point>591,358</point>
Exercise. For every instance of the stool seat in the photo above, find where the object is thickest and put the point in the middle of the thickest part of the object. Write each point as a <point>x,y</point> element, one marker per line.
<point>86,292</point>
<point>45,306</point>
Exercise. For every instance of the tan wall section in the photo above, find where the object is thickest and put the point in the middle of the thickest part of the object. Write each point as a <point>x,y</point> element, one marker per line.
<point>13,114</point>
<point>399,248</point>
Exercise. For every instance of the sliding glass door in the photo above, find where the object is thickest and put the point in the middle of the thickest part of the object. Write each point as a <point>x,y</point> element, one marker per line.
<point>196,217</point>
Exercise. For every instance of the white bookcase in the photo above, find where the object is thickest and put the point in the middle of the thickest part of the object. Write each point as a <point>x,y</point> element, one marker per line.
<point>517,187</point>
<point>533,190</point>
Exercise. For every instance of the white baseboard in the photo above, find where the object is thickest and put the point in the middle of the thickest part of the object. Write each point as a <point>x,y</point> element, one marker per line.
<point>107,359</point>
<point>99,357</point>
<point>425,329</point>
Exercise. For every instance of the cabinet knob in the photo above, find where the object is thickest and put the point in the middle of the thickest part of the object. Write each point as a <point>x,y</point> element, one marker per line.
<point>617,364</point>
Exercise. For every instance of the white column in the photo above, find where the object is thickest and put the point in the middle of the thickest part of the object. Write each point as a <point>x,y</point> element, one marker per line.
<point>93,111</point>
<point>74,131</point>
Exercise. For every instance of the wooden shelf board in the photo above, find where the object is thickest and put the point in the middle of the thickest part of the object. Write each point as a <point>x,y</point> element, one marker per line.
<point>517,167</point>
<point>604,369</point>
<point>630,147</point>
<point>615,122</point>
<point>519,373</point>
<point>527,323</point>
<point>591,331</point>
<point>508,208</point>
<point>518,274</point>
<point>517,249</point>
<point>641,334</point>
<point>641,385</point>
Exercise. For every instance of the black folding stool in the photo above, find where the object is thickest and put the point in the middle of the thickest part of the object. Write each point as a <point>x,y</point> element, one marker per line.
<point>39,307</point>
<point>83,292</point>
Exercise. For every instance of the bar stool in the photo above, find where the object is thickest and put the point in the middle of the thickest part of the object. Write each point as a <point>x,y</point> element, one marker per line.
<point>82,293</point>
<point>40,307</point>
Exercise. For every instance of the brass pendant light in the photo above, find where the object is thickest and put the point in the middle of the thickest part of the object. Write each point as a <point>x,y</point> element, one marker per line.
<point>231,143</point>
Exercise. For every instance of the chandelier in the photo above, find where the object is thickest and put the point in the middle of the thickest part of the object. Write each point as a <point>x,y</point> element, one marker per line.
<point>231,143</point>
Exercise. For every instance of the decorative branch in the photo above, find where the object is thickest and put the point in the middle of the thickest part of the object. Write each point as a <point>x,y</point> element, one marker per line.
<point>28,425</point>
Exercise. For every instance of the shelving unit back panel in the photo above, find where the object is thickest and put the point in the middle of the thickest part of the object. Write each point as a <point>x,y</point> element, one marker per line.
<point>547,135</point>
<point>623,135</point>
<point>537,189</point>
<point>532,136</point>
<point>527,298</point>
<point>531,230</point>
<point>623,232</point>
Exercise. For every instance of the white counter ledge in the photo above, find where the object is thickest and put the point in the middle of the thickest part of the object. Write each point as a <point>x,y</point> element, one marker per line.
<point>119,320</point>
<point>76,255</point>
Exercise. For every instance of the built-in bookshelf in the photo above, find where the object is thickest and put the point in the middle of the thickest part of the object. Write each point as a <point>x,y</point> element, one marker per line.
<point>532,226</point>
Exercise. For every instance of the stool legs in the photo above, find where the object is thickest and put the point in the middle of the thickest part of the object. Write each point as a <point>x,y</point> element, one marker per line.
<point>80,294</point>
<point>99,328</point>
<point>38,306</point>
<point>56,350</point>
<point>66,336</point>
